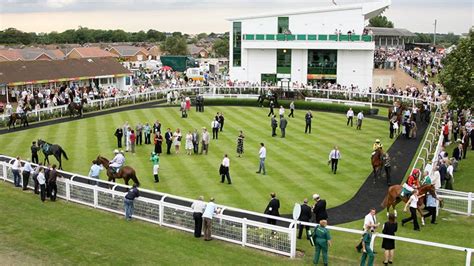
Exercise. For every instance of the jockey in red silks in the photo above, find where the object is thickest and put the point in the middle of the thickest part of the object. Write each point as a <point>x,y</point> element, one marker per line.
<point>412,183</point>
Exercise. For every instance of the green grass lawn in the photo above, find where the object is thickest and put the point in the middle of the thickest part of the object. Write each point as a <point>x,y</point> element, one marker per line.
<point>297,165</point>
<point>63,233</point>
<point>463,177</point>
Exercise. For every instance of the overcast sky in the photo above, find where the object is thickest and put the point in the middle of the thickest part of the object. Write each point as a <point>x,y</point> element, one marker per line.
<point>194,16</point>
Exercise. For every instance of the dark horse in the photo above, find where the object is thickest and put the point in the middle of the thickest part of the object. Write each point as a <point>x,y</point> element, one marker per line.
<point>393,198</point>
<point>377,163</point>
<point>274,97</point>
<point>126,172</point>
<point>74,107</point>
<point>14,117</point>
<point>52,149</point>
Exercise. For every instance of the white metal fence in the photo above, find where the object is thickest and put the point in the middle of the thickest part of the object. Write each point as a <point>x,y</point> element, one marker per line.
<point>175,212</point>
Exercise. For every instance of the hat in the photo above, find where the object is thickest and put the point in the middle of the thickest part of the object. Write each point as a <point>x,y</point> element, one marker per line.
<point>121,151</point>
<point>153,153</point>
<point>116,151</point>
<point>377,140</point>
<point>315,196</point>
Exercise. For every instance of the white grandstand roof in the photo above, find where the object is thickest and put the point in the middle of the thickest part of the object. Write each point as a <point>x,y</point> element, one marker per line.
<point>369,9</point>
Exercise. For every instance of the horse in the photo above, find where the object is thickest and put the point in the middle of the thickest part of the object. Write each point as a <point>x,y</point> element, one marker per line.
<point>52,149</point>
<point>393,197</point>
<point>377,163</point>
<point>73,107</point>
<point>126,172</point>
<point>14,117</point>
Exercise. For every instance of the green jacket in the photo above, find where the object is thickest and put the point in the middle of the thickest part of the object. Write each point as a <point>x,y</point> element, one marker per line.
<point>321,234</point>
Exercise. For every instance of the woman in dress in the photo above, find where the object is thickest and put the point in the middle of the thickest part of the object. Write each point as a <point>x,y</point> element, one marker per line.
<point>133,137</point>
<point>177,140</point>
<point>240,144</point>
<point>389,228</point>
<point>189,143</point>
<point>158,140</point>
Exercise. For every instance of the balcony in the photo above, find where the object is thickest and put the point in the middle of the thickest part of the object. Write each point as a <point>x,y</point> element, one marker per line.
<point>308,37</point>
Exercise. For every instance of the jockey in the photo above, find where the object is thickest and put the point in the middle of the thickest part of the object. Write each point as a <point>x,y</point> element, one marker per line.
<point>19,110</point>
<point>9,108</point>
<point>118,161</point>
<point>377,145</point>
<point>77,99</point>
<point>412,183</point>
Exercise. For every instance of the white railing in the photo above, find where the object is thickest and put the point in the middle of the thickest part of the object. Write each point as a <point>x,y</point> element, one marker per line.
<point>155,207</point>
<point>215,92</point>
<point>336,101</point>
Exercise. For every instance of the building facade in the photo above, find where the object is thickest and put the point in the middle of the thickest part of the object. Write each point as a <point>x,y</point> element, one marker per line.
<point>323,44</point>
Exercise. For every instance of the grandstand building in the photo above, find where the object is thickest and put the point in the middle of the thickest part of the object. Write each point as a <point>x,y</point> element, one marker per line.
<point>304,46</point>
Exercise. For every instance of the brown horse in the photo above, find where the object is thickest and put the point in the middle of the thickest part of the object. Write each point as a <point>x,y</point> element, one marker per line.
<point>377,163</point>
<point>126,172</point>
<point>393,197</point>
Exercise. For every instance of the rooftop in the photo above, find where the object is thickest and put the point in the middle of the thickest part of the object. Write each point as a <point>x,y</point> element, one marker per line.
<point>391,32</point>
<point>91,52</point>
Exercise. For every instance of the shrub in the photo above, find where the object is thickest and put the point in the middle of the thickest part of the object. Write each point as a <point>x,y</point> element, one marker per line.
<point>301,105</point>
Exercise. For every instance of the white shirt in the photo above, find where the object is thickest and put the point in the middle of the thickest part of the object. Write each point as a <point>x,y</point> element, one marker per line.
<point>370,220</point>
<point>16,165</point>
<point>450,170</point>
<point>214,124</point>
<point>226,162</point>
<point>263,152</point>
<point>41,179</point>
<point>27,167</point>
<point>282,111</point>
<point>335,154</point>
<point>414,201</point>
<point>209,211</point>
<point>360,116</point>
<point>436,179</point>
<point>118,159</point>
<point>350,113</point>
<point>198,206</point>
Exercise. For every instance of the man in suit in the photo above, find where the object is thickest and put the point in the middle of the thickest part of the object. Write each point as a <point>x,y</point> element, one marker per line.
<point>196,141</point>
<point>221,121</point>
<point>272,208</point>
<point>305,216</point>
<point>308,117</point>
<point>274,125</point>
<point>319,208</point>
<point>215,128</point>
<point>272,105</point>
<point>283,123</point>
<point>169,140</point>
<point>465,142</point>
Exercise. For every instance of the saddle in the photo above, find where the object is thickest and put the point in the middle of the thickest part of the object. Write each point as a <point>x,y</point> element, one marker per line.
<point>46,147</point>
<point>405,193</point>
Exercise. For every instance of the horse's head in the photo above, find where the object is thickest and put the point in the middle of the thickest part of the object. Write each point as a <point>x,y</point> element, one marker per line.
<point>40,142</point>
<point>102,160</point>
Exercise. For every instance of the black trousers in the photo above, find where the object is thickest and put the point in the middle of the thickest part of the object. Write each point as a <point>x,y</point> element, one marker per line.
<point>139,139</point>
<point>119,142</point>
<point>36,184</point>
<point>271,112</point>
<point>412,218</point>
<point>291,113</point>
<point>432,213</point>
<point>43,192</point>
<point>215,133</point>
<point>26,179</point>
<point>300,231</point>
<point>391,133</point>
<point>34,158</point>
<point>168,147</point>
<point>197,216</point>
<point>308,127</point>
<point>334,165</point>
<point>225,175</point>
<point>274,131</point>
<point>52,190</point>
<point>196,148</point>
<point>349,119</point>
<point>222,125</point>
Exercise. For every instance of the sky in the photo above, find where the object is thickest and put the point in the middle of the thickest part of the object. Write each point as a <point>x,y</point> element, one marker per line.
<point>195,16</point>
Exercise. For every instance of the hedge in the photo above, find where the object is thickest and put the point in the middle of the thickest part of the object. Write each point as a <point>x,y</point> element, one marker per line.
<point>299,105</point>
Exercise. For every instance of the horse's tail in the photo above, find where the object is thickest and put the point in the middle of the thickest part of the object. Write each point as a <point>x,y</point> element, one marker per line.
<point>385,200</point>
<point>64,153</point>
<point>134,178</point>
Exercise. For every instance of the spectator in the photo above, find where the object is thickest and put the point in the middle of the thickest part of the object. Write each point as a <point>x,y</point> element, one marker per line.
<point>147,133</point>
<point>52,186</point>
<point>34,152</point>
<point>16,168</point>
<point>334,157</point>
<point>94,172</point>
<point>27,170</point>
<point>262,153</point>
<point>366,250</point>
<point>198,207</point>
<point>360,117</point>
<point>322,241</point>
<point>224,170</point>
<point>215,128</point>
<point>42,183</point>
<point>387,167</point>
<point>274,125</point>
<point>128,201</point>
<point>308,118</point>
<point>35,177</point>
<point>272,208</point>
<point>169,140</point>
<point>305,216</point>
<point>133,137</point>
<point>319,208</point>
<point>283,124</point>
<point>205,141</point>
<point>196,141</point>
<point>292,109</point>
<point>177,140</point>
<point>119,134</point>
<point>240,144</point>
<point>449,175</point>
<point>431,206</point>
<point>350,116</point>
<point>389,228</point>
<point>209,212</point>
<point>189,143</point>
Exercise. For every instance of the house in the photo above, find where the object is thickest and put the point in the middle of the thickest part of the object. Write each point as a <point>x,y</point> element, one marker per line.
<point>303,46</point>
<point>88,52</point>
<point>30,54</point>
<point>391,38</point>
<point>154,52</point>
<point>197,52</point>
<point>129,52</point>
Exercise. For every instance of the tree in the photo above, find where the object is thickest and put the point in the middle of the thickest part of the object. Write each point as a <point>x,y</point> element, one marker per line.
<point>380,22</point>
<point>175,45</point>
<point>457,75</point>
<point>221,48</point>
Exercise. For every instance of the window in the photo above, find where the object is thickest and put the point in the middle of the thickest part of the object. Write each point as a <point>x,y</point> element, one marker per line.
<point>283,61</point>
<point>322,62</point>
<point>283,25</point>
<point>237,44</point>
